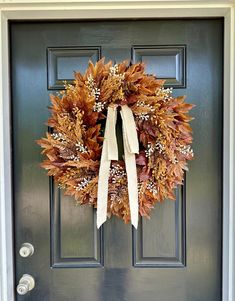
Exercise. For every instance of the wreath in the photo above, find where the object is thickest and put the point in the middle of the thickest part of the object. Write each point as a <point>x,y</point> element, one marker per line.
<point>74,145</point>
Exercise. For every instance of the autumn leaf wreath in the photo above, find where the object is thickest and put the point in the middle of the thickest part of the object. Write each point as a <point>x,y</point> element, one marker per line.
<point>73,148</point>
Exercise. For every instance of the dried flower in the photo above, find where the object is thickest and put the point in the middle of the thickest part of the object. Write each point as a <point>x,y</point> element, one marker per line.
<point>152,187</point>
<point>150,150</point>
<point>116,173</point>
<point>159,147</point>
<point>59,137</point>
<point>186,150</point>
<point>91,85</point>
<point>83,184</point>
<point>99,106</point>
<point>163,93</point>
<point>81,148</point>
<point>143,116</point>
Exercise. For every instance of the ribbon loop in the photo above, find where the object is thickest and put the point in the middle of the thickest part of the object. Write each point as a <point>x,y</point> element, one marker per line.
<point>130,129</point>
<point>110,152</point>
<point>111,133</point>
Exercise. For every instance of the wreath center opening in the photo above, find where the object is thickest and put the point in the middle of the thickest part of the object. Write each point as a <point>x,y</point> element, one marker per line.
<point>119,131</point>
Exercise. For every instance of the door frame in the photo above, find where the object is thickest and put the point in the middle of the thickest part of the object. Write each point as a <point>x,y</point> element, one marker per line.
<point>101,9</point>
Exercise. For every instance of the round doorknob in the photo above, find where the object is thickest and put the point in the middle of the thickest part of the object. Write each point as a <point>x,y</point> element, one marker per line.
<point>26,250</point>
<point>26,284</point>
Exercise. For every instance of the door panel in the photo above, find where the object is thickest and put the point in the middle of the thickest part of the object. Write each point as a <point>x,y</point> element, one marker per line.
<point>176,255</point>
<point>167,62</point>
<point>160,242</point>
<point>75,240</point>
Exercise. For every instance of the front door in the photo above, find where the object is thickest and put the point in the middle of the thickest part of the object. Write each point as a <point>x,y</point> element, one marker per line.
<point>174,256</point>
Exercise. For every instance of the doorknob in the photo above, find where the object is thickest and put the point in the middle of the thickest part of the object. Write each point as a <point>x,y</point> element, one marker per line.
<point>26,250</point>
<point>26,284</point>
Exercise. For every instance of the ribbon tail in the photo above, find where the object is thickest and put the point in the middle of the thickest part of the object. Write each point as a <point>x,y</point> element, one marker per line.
<point>109,152</point>
<point>130,129</point>
<point>131,146</point>
<point>103,183</point>
<point>111,133</point>
<point>132,187</point>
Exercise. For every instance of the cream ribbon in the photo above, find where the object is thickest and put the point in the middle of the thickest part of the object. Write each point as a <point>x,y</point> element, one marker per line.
<point>110,152</point>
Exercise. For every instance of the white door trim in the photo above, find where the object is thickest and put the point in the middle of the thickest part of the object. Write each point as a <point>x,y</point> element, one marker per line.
<point>101,9</point>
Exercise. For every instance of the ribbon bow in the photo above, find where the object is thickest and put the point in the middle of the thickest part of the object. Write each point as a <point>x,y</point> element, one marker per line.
<point>110,152</point>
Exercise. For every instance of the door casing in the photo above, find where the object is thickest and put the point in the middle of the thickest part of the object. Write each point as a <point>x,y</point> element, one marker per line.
<point>55,10</point>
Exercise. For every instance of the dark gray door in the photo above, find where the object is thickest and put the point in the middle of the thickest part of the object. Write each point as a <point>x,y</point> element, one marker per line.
<point>175,256</point>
